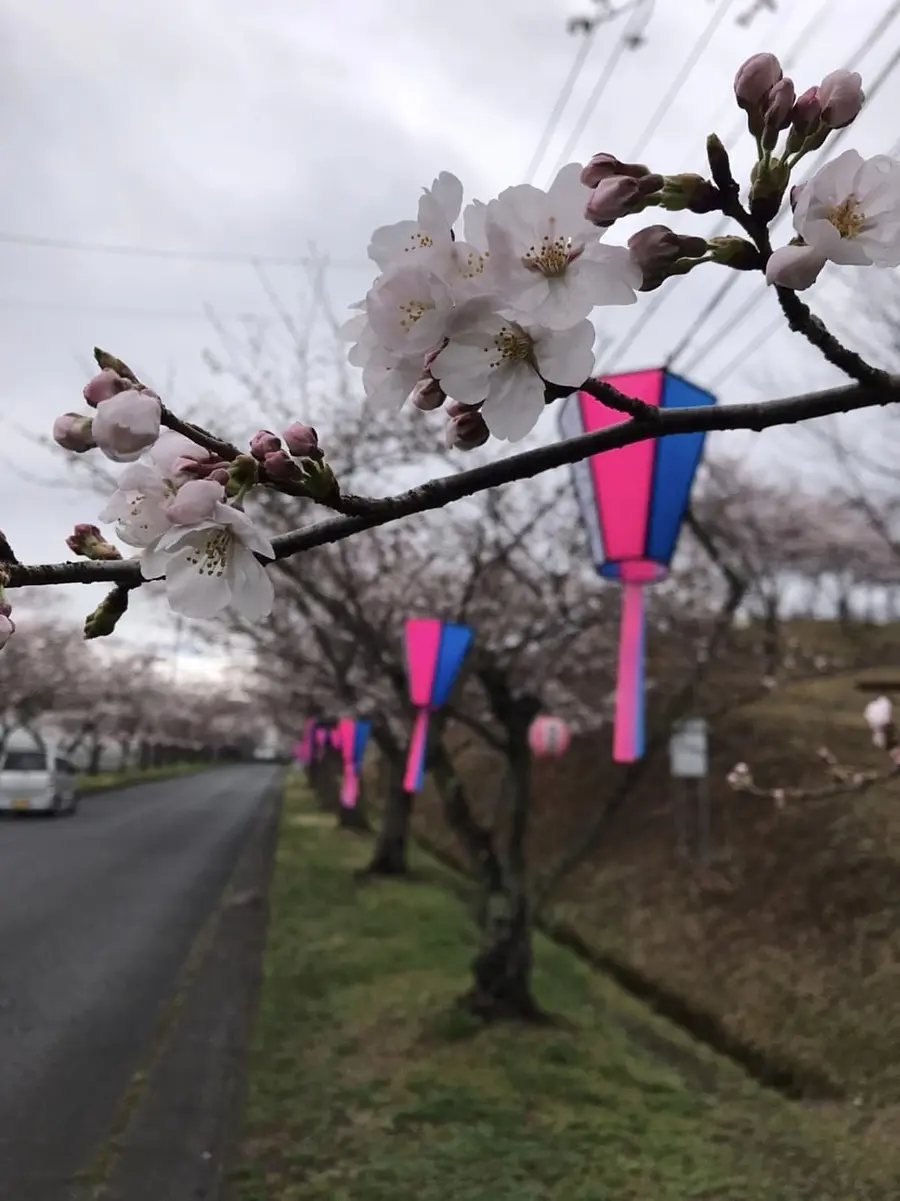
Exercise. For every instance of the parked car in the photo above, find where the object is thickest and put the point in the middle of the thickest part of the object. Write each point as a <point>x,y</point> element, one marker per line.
<point>35,777</point>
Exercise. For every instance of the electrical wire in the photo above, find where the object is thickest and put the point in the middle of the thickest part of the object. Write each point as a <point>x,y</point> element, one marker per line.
<point>680,79</point>
<point>624,43</point>
<point>562,100</point>
<point>187,256</point>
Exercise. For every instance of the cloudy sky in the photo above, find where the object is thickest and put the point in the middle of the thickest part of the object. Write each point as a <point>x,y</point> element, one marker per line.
<point>152,151</point>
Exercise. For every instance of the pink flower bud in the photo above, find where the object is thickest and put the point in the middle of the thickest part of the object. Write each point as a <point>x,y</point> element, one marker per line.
<point>841,97</point>
<point>127,424</point>
<point>807,111</point>
<point>466,431</point>
<point>656,249</point>
<point>301,440</point>
<point>280,466</point>
<point>5,608</point>
<point>755,78</point>
<point>73,431</point>
<point>611,199</point>
<point>778,108</point>
<point>607,166</point>
<point>794,267</point>
<point>7,629</point>
<point>103,386</point>
<point>194,502</point>
<point>264,443</point>
<point>219,475</point>
<point>87,540</point>
<point>428,394</point>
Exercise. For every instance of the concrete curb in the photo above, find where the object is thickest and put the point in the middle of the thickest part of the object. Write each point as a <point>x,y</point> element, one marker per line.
<point>179,1139</point>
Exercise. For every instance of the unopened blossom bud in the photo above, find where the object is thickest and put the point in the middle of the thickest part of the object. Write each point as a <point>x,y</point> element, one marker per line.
<point>428,394</point>
<point>807,111</point>
<point>264,443</point>
<point>777,113</point>
<point>841,97</point>
<point>734,252</point>
<point>219,475</point>
<point>7,629</point>
<point>104,619</point>
<point>108,362</point>
<point>86,540</point>
<point>5,608</point>
<point>794,267</point>
<point>73,431</point>
<point>281,467</point>
<point>194,502</point>
<point>606,166</point>
<point>879,713</point>
<point>302,441</point>
<point>656,250</point>
<point>103,386</point>
<point>689,191</point>
<point>619,196</point>
<point>127,424</point>
<point>754,80</point>
<point>466,430</point>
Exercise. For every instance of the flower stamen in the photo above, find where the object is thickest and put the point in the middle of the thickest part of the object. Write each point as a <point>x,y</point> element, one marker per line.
<point>552,257</point>
<point>213,558</point>
<point>847,217</point>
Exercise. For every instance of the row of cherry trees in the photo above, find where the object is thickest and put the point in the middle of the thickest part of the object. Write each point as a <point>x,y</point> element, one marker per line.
<point>116,707</point>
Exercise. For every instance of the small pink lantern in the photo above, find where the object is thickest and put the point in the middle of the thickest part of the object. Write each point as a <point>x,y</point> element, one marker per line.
<point>548,737</point>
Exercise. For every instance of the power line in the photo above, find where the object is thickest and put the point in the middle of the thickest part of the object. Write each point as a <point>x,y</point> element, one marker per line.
<point>824,153</point>
<point>53,306</point>
<point>561,101</point>
<point>649,311</point>
<point>680,79</point>
<point>188,256</point>
<point>637,22</point>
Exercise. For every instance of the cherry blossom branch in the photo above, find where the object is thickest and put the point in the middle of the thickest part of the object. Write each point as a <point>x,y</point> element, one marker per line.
<point>365,512</point>
<point>848,780</point>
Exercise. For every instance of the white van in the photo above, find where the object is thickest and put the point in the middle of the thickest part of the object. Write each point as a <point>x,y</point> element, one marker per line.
<point>34,776</point>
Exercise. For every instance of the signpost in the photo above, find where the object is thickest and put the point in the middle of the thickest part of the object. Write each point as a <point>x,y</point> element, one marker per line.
<point>689,768</point>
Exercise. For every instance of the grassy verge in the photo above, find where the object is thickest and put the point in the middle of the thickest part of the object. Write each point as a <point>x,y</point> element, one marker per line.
<point>101,781</point>
<point>365,1085</point>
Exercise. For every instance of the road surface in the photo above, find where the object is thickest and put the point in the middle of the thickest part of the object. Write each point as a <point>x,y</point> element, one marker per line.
<point>97,914</point>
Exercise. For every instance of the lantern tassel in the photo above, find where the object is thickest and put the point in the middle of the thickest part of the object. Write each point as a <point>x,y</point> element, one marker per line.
<point>415,763</point>
<point>628,737</point>
<point>350,790</point>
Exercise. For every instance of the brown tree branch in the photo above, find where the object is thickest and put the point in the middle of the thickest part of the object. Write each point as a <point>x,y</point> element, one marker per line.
<point>437,493</point>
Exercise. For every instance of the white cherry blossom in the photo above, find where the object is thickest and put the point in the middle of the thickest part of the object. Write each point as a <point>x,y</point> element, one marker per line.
<point>212,565</point>
<point>850,210</point>
<point>429,236</point>
<point>493,359</point>
<point>138,504</point>
<point>547,260</point>
<point>408,310</point>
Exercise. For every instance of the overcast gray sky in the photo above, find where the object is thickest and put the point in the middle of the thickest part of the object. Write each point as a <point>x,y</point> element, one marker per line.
<point>242,129</point>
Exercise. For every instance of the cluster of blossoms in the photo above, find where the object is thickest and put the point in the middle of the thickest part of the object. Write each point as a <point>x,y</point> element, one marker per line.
<point>179,504</point>
<point>484,312</point>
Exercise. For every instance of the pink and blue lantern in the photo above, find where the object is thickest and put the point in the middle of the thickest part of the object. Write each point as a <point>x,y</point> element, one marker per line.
<point>435,651</point>
<point>633,502</point>
<point>353,736</point>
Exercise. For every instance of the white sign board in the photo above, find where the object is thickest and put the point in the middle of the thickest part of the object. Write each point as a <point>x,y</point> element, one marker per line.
<point>688,752</point>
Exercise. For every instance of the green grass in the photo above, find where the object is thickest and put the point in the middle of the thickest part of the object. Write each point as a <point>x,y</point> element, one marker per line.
<point>366,1084</point>
<point>101,781</point>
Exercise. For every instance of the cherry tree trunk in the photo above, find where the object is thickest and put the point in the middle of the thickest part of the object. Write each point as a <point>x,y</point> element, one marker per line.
<point>389,858</point>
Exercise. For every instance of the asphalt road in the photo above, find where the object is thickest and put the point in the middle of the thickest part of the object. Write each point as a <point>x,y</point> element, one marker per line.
<point>97,914</point>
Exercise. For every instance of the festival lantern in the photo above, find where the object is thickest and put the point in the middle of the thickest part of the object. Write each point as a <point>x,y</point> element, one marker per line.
<point>548,737</point>
<point>633,502</point>
<point>353,738</point>
<point>435,651</point>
